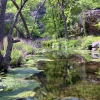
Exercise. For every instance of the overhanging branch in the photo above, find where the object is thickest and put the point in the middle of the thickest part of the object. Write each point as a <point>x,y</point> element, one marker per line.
<point>21,15</point>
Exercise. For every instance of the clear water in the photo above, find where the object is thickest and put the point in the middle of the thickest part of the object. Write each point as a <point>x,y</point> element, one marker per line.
<point>68,75</point>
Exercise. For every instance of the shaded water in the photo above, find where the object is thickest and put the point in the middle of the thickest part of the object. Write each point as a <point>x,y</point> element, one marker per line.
<point>68,76</point>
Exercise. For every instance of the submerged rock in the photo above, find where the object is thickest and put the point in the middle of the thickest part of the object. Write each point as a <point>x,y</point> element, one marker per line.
<point>68,98</point>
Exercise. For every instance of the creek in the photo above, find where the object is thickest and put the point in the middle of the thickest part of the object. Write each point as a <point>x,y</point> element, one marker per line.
<point>53,74</point>
<point>68,76</point>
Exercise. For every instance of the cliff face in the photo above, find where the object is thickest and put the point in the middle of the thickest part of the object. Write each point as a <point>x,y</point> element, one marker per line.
<point>92,22</point>
<point>37,14</point>
<point>89,21</point>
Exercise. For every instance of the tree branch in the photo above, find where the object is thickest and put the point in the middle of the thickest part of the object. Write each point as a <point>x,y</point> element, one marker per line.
<point>39,9</point>
<point>24,22</point>
<point>59,3</point>
<point>62,2</point>
<point>66,4</point>
<point>63,5</point>
<point>21,33</point>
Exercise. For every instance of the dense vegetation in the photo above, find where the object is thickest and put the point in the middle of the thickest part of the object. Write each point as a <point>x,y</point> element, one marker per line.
<point>29,29</point>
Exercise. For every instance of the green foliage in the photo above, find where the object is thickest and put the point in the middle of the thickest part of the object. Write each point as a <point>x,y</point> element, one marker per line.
<point>49,42</point>
<point>98,25</point>
<point>19,50</point>
<point>26,13</point>
<point>36,33</point>
<point>61,43</point>
<point>87,91</point>
<point>89,4</point>
<point>16,57</point>
<point>52,20</point>
<point>86,41</point>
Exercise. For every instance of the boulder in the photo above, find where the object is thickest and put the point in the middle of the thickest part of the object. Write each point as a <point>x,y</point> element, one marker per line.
<point>92,22</point>
<point>37,14</point>
<point>94,46</point>
<point>92,18</point>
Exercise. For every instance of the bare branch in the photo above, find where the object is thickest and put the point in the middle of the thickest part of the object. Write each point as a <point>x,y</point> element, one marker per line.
<point>66,4</point>
<point>21,33</point>
<point>62,2</point>
<point>39,9</point>
<point>59,3</point>
<point>24,22</point>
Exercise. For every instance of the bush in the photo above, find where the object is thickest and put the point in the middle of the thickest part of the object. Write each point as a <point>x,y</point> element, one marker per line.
<point>19,50</point>
<point>16,58</point>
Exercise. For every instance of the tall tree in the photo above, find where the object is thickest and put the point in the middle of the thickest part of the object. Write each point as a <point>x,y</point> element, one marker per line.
<point>5,61</point>
<point>2,17</point>
<point>62,5</point>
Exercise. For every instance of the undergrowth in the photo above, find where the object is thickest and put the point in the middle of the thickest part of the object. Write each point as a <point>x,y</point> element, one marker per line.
<point>19,51</point>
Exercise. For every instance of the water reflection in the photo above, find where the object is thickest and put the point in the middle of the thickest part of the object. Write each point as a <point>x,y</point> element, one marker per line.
<point>95,55</point>
<point>62,73</point>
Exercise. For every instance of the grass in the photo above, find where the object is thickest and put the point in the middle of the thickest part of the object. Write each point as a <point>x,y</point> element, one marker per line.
<point>77,43</point>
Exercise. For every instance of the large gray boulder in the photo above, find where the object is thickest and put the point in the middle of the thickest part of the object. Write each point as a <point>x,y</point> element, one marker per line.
<point>94,46</point>
<point>37,14</point>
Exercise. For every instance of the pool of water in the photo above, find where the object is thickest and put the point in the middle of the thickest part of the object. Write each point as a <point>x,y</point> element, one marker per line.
<point>68,75</point>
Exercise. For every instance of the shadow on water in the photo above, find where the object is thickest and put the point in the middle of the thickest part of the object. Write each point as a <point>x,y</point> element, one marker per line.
<point>68,76</point>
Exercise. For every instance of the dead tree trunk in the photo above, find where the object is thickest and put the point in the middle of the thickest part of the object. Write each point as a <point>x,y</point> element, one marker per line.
<point>7,57</point>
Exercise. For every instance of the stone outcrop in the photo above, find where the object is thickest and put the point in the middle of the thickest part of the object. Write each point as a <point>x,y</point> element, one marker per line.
<point>94,46</point>
<point>37,14</point>
<point>9,17</point>
<point>92,22</point>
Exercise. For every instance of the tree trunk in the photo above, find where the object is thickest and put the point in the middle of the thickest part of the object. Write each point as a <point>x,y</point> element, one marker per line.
<point>2,17</point>
<point>7,57</point>
<point>65,24</point>
<point>62,6</point>
<point>21,34</point>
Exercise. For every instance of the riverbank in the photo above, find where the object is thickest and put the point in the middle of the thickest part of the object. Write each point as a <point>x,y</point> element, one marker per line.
<point>65,67</point>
